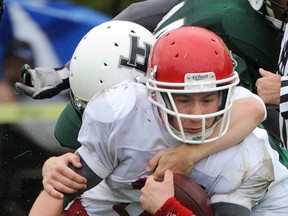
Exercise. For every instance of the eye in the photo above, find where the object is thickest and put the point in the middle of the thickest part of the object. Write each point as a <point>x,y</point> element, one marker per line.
<point>207,100</point>
<point>210,98</point>
<point>181,99</point>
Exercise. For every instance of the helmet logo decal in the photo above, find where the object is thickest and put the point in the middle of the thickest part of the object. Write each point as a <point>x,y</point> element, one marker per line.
<point>136,52</point>
<point>206,80</point>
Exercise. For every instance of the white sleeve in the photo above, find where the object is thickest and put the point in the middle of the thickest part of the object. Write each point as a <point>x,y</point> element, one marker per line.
<point>99,123</point>
<point>242,93</point>
<point>94,137</point>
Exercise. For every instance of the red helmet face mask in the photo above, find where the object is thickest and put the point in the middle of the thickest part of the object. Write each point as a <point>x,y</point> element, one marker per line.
<point>191,60</point>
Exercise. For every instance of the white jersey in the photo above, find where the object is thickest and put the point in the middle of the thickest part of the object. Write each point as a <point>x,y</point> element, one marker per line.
<point>122,131</point>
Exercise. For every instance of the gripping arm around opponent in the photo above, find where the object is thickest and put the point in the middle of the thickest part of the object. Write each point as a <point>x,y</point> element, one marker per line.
<point>58,177</point>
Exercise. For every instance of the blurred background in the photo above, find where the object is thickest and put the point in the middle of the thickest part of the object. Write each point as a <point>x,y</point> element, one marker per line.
<point>42,34</point>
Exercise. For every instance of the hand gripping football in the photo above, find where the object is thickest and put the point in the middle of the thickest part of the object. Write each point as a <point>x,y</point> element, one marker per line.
<point>188,193</point>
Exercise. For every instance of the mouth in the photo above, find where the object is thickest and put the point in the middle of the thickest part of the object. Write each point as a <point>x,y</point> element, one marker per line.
<point>193,130</point>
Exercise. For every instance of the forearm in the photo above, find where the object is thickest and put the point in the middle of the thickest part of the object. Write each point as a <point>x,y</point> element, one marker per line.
<point>246,115</point>
<point>147,13</point>
<point>173,207</point>
<point>46,205</point>
<point>85,171</point>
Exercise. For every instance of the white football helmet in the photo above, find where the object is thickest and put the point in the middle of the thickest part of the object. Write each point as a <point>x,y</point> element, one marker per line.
<point>275,11</point>
<point>107,54</point>
<point>191,60</point>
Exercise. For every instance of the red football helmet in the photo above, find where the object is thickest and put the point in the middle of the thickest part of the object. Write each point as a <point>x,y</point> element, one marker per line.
<point>191,60</point>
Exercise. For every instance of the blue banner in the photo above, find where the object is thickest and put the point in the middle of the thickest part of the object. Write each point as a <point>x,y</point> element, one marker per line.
<point>51,28</point>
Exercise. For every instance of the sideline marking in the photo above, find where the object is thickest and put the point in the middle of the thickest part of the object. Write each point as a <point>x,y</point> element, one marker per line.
<point>23,112</point>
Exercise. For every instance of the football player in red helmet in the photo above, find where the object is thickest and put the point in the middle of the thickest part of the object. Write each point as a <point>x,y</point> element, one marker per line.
<point>191,86</point>
<point>191,79</point>
<point>169,78</point>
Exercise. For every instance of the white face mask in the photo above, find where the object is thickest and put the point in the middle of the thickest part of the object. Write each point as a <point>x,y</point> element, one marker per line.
<point>167,107</point>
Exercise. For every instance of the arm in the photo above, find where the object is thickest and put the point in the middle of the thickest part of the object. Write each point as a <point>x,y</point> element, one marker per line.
<point>41,83</point>
<point>147,13</point>
<point>268,87</point>
<point>241,125</point>
<point>44,202</point>
<point>57,176</point>
<point>173,206</point>
<point>158,199</point>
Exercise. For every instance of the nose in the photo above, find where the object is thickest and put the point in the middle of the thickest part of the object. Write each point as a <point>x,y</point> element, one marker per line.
<point>195,109</point>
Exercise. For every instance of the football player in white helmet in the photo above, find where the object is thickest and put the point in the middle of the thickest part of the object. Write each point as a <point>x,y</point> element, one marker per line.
<point>190,88</point>
<point>109,53</point>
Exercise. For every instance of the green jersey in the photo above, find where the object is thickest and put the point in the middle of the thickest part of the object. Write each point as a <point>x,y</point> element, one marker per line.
<point>254,43</point>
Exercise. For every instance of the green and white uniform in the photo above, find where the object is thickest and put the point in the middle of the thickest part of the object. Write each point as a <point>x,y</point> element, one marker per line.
<point>244,31</point>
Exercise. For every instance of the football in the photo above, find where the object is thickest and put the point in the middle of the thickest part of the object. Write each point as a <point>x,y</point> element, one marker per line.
<point>188,193</point>
<point>192,195</point>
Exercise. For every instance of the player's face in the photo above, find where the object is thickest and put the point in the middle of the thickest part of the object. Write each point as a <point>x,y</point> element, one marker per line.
<point>195,104</point>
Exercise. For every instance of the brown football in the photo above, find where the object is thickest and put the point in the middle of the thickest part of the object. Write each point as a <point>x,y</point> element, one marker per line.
<point>192,195</point>
<point>188,193</point>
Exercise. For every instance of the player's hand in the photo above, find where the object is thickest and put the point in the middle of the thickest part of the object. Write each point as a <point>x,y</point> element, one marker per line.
<point>179,160</point>
<point>268,87</point>
<point>154,194</point>
<point>41,83</point>
<point>58,178</point>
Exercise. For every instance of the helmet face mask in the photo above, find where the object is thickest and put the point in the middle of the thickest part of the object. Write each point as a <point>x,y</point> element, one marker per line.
<point>77,104</point>
<point>195,63</point>
<point>109,53</point>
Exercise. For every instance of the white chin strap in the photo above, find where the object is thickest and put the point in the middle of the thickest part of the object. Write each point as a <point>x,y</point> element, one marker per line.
<point>193,138</point>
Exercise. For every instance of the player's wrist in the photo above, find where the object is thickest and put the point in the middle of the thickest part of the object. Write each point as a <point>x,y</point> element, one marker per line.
<point>172,207</point>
